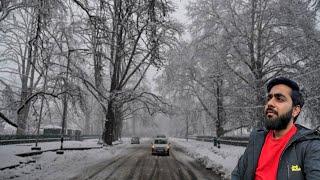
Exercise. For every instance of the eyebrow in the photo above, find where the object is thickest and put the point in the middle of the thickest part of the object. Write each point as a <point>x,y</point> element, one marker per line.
<point>276,95</point>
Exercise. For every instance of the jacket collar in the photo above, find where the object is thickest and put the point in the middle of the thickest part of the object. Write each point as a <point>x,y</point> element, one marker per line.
<point>304,133</point>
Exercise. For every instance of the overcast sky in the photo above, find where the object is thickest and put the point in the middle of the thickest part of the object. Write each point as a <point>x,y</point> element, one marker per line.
<point>180,11</point>
<point>180,14</point>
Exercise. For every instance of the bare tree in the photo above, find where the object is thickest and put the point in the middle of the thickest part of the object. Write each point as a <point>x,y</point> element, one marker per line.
<point>260,40</point>
<point>129,41</point>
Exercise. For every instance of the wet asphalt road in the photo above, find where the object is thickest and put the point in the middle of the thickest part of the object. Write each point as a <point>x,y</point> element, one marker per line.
<point>139,164</point>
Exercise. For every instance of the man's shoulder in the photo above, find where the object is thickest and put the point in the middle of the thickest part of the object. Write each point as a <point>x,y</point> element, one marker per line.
<point>305,133</point>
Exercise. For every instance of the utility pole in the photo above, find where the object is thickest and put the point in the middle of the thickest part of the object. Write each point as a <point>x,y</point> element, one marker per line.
<point>65,104</point>
<point>41,108</point>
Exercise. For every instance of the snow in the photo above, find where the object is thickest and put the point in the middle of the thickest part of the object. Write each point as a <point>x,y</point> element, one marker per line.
<point>50,165</point>
<point>222,160</point>
<point>51,126</point>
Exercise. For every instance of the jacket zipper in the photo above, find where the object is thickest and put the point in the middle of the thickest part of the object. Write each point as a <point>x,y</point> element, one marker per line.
<point>287,146</point>
<point>292,140</point>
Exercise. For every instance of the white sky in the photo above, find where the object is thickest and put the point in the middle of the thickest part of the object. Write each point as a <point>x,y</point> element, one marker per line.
<point>49,165</point>
<point>180,12</point>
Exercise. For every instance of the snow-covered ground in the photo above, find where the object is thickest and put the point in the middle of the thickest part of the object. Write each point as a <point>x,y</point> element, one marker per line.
<point>50,165</point>
<point>221,160</point>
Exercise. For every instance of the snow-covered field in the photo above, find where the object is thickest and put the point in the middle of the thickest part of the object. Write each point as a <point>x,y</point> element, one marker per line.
<point>50,165</point>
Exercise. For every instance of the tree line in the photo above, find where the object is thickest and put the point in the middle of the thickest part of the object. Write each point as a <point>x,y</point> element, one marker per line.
<point>81,61</point>
<point>216,81</point>
<point>84,63</point>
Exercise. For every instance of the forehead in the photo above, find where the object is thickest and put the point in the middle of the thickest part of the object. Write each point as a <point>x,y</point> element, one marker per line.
<point>281,89</point>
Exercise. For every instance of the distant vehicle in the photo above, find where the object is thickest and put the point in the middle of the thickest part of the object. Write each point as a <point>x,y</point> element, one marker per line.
<point>135,140</point>
<point>161,136</point>
<point>160,146</point>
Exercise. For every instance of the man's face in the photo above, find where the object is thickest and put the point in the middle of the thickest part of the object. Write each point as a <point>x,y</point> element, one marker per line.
<point>278,108</point>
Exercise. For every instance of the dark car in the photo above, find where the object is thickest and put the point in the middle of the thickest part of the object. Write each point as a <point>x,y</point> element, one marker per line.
<point>135,140</point>
<point>160,146</point>
<point>161,136</point>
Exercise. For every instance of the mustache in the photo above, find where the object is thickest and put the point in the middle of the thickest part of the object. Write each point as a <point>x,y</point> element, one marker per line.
<point>269,109</point>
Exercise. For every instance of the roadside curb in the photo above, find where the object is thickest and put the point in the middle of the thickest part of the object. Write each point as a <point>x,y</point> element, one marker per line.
<point>53,150</point>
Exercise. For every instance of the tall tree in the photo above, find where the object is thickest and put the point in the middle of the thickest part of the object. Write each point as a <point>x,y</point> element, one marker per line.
<point>131,39</point>
<point>258,45</point>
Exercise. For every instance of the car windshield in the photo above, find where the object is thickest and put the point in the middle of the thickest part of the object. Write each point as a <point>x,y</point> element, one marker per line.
<point>161,136</point>
<point>160,141</point>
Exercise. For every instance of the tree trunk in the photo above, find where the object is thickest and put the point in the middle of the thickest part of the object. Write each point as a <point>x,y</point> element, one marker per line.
<point>28,67</point>
<point>153,34</point>
<point>187,126</point>
<point>259,115</point>
<point>24,112</point>
<point>87,129</point>
<point>117,124</point>
<point>220,110</point>
<point>116,53</point>
<point>108,132</point>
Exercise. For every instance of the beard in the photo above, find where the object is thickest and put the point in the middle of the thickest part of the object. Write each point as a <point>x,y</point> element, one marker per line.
<point>280,122</point>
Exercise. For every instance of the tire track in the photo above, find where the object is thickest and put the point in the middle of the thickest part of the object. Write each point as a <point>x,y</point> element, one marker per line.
<point>100,167</point>
<point>143,166</point>
<point>176,171</point>
<point>139,164</point>
<point>97,171</point>
<point>124,160</point>
<point>155,170</point>
<point>133,170</point>
<point>182,167</point>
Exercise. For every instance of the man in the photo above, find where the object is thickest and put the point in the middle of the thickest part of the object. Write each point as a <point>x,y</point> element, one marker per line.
<point>284,150</point>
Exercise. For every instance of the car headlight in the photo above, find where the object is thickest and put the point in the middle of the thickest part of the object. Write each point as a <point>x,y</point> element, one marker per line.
<point>167,147</point>
<point>152,146</point>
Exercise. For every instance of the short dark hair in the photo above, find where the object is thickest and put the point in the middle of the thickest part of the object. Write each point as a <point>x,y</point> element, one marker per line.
<point>296,96</point>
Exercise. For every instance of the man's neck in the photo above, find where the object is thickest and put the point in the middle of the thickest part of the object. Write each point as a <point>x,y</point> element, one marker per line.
<point>279,133</point>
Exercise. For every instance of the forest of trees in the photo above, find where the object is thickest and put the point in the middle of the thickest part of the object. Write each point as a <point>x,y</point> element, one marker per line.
<point>83,63</point>
<point>216,82</point>
<point>80,62</point>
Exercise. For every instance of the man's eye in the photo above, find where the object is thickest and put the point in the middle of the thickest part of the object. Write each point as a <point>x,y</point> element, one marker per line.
<point>268,98</point>
<point>280,99</point>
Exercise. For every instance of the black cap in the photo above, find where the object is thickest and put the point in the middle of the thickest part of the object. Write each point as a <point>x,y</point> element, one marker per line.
<point>282,80</point>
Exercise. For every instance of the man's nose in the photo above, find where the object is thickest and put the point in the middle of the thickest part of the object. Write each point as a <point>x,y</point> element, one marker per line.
<point>270,103</point>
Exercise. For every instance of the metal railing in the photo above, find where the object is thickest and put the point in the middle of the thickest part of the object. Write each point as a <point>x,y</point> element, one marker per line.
<point>235,141</point>
<point>21,139</point>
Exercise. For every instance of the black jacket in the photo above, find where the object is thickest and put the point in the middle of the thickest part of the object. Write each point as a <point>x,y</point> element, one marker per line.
<point>299,160</point>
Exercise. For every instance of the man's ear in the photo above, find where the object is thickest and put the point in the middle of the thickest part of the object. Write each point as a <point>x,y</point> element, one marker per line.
<point>296,111</point>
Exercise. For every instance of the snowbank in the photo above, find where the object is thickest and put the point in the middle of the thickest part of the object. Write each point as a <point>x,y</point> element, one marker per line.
<point>222,160</point>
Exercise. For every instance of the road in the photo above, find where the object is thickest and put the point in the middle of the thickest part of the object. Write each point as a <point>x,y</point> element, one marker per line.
<point>139,164</point>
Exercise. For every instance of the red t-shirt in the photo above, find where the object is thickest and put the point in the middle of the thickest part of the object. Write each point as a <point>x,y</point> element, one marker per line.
<point>267,168</point>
